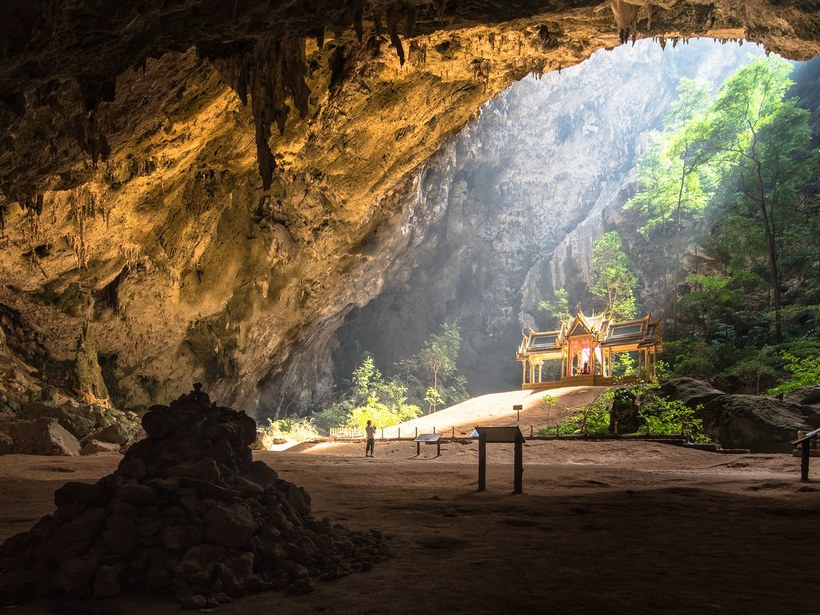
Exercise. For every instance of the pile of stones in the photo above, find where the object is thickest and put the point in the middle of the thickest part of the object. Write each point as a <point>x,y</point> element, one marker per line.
<point>187,513</point>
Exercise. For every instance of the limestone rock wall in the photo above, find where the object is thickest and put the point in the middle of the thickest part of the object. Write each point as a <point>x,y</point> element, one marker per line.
<point>509,210</point>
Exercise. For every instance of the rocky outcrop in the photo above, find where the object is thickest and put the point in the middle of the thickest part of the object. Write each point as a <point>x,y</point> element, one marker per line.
<point>689,391</point>
<point>761,424</point>
<point>89,376</point>
<point>43,436</point>
<point>188,513</point>
<point>807,396</point>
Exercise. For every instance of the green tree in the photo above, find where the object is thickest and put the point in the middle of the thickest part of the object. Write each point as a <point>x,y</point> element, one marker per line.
<point>434,366</point>
<point>762,140</point>
<point>385,403</point>
<point>671,190</point>
<point>613,277</point>
<point>367,379</point>
<point>708,304</point>
<point>558,307</point>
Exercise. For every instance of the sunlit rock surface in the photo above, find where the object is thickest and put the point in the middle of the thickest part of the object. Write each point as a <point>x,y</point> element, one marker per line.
<point>509,210</point>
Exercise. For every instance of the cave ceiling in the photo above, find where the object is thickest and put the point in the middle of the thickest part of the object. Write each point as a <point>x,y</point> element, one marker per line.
<point>215,184</point>
<point>64,58</point>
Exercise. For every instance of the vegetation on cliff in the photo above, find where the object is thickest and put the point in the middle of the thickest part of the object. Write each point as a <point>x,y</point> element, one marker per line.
<point>728,196</point>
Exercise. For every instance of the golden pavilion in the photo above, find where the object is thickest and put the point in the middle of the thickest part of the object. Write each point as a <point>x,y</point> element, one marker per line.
<point>586,347</point>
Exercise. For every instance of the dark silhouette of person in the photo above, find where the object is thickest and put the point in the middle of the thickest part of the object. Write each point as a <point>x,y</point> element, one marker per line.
<point>370,430</point>
<point>586,368</point>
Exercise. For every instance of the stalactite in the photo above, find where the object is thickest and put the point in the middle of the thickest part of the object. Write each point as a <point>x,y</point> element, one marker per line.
<point>273,72</point>
<point>393,32</point>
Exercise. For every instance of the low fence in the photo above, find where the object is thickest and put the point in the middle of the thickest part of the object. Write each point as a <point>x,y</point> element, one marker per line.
<point>529,432</point>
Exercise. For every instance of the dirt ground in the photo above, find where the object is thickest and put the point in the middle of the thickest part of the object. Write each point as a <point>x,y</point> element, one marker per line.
<point>602,527</point>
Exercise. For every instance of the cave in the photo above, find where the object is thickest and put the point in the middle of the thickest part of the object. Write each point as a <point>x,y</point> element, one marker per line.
<point>263,198</point>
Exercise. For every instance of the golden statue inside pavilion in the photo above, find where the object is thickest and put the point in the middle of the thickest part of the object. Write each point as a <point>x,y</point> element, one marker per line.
<point>586,347</point>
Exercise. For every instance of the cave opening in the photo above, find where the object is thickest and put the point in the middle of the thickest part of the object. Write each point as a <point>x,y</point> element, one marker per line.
<point>519,198</point>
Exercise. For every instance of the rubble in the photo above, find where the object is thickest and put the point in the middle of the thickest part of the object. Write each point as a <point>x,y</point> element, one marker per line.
<point>188,513</point>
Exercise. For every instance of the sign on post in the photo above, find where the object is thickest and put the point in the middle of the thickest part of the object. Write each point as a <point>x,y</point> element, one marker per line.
<point>500,435</point>
<point>428,438</point>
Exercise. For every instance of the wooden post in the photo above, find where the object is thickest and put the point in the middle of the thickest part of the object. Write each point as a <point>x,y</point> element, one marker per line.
<point>804,462</point>
<point>519,464</point>
<point>399,436</point>
<point>434,429</point>
<point>418,449</point>
<point>482,462</point>
<point>454,432</point>
<point>382,433</point>
<point>417,432</point>
<point>438,448</point>
<point>530,430</point>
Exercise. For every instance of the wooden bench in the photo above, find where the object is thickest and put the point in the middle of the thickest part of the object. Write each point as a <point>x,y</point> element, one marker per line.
<point>428,438</point>
<point>805,450</point>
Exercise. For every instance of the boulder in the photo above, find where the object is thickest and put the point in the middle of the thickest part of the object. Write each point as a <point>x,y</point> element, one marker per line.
<point>231,525</point>
<point>625,411</point>
<point>90,447</point>
<point>807,396</point>
<point>761,424</point>
<point>690,391</point>
<point>44,436</point>
<point>78,420</point>
<point>120,432</point>
<point>6,444</point>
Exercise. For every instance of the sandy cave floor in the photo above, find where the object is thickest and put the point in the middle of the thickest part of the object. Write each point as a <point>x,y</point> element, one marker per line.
<point>603,527</point>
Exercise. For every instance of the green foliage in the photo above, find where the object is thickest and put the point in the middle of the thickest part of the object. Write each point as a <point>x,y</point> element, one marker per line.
<point>708,306</point>
<point>666,417</point>
<point>384,403</point>
<point>281,430</point>
<point>805,372</point>
<point>428,377</point>
<point>433,398</point>
<point>671,190</point>
<point>693,358</point>
<point>381,414</point>
<point>335,415</point>
<point>434,366</point>
<point>558,307</point>
<point>612,276</point>
<point>623,364</point>
<point>367,379</point>
<point>659,415</point>
<point>762,142</point>
<point>591,420</point>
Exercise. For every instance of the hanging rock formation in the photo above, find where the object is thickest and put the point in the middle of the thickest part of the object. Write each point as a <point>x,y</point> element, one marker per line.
<point>187,513</point>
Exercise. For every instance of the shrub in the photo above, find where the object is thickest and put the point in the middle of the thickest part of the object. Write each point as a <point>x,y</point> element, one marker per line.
<point>278,432</point>
<point>805,372</point>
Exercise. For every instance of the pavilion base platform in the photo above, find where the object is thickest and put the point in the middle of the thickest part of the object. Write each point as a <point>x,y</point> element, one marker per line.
<point>578,381</point>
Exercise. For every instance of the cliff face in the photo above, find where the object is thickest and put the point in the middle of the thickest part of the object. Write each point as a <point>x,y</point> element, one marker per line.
<point>187,268</point>
<point>513,205</point>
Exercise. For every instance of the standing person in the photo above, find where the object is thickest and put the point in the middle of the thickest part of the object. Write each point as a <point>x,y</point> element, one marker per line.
<point>370,430</point>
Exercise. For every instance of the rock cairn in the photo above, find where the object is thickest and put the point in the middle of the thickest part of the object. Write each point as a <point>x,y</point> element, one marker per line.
<point>187,513</point>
